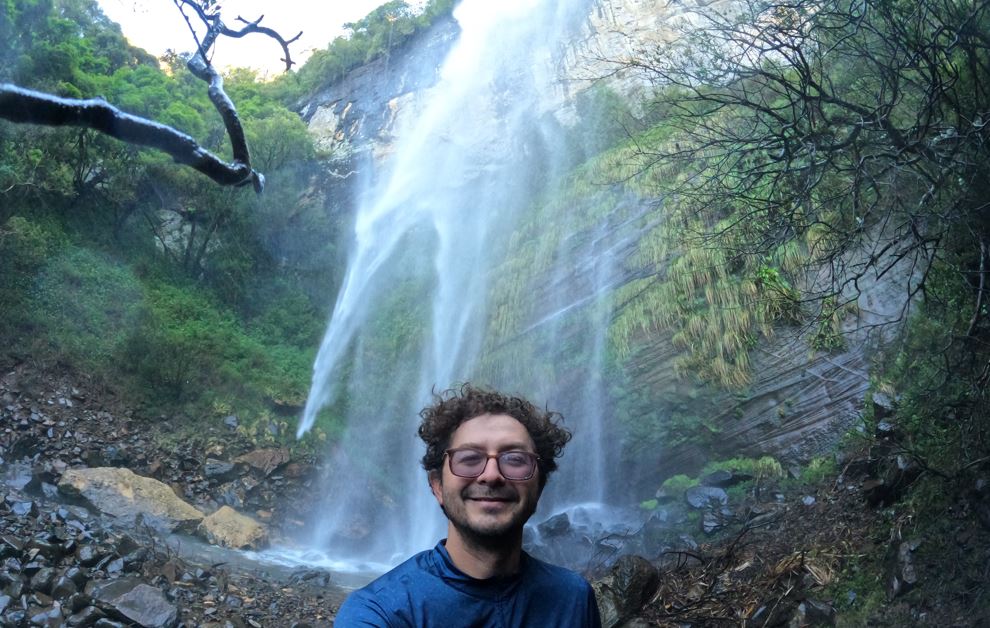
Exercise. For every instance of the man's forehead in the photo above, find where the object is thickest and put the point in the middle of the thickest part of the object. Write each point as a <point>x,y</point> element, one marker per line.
<point>499,431</point>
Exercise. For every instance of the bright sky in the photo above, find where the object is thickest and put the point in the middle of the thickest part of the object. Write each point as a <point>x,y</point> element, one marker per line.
<point>156,25</point>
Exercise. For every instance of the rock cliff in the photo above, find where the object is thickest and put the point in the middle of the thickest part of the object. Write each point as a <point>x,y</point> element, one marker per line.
<point>799,403</point>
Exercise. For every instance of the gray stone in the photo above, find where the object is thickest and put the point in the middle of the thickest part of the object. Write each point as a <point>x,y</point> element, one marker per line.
<point>140,603</point>
<point>88,616</point>
<point>902,575</point>
<point>24,509</point>
<point>122,493</point>
<point>63,588</point>
<point>725,479</point>
<point>811,613</point>
<point>219,470</point>
<point>42,580</point>
<point>49,617</point>
<point>555,526</point>
<point>621,594</point>
<point>705,496</point>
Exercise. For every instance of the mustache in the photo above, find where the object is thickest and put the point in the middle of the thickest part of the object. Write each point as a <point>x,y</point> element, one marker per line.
<point>505,493</point>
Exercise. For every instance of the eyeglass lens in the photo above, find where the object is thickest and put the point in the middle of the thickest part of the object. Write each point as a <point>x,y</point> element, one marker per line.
<point>513,465</point>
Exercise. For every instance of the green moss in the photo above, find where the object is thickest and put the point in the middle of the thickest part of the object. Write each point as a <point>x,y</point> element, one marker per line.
<point>677,484</point>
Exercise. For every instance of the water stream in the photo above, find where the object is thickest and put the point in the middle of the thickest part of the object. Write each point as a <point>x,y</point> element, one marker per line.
<point>415,310</point>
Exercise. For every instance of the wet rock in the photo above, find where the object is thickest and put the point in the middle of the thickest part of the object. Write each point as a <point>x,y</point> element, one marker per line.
<point>555,526</point>
<point>122,493</point>
<point>706,497</point>
<point>10,545</point>
<point>89,555</point>
<point>228,528</point>
<point>725,479</point>
<point>621,594</point>
<point>4,602</point>
<point>231,421</point>
<point>42,580</point>
<point>811,613</point>
<point>901,573</point>
<point>76,575</point>
<point>219,470</point>
<point>138,602</point>
<point>232,495</point>
<point>24,509</point>
<point>49,617</point>
<point>85,617</point>
<point>265,460</point>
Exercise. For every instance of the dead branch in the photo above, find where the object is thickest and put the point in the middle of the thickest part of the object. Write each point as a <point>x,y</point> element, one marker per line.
<point>28,106</point>
<point>22,105</point>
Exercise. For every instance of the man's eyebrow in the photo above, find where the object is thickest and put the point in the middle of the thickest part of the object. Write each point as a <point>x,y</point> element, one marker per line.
<point>517,446</point>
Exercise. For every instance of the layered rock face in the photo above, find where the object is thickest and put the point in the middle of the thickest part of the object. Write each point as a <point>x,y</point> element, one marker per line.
<point>355,117</point>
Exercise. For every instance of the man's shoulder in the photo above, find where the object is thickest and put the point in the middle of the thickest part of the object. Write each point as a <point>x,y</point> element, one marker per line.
<point>374,604</point>
<point>413,567</point>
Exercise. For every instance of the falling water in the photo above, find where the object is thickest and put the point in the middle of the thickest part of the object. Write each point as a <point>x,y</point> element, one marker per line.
<point>430,239</point>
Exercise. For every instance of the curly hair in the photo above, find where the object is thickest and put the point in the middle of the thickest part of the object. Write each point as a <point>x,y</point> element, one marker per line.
<point>452,407</point>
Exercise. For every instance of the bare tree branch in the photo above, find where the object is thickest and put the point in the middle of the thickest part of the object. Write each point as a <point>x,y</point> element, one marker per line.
<point>27,106</point>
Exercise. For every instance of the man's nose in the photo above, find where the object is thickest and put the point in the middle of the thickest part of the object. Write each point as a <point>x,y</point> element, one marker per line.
<point>491,473</point>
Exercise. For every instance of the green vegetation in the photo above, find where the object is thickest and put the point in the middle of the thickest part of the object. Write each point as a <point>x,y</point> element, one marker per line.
<point>184,297</point>
<point>373,36</point>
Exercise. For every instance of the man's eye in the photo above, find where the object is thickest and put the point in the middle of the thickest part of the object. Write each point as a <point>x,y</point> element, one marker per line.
<point>515,459</point>
<point>469,458</point>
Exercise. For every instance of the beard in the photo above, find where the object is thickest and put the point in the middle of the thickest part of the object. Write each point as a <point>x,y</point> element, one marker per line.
<point>484,530</point>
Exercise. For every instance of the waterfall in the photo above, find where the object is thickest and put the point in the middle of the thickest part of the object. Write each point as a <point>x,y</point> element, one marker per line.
<point>415,309</point>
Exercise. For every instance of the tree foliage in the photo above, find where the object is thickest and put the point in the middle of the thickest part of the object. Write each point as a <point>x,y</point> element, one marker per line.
<point>147,276</point>
<point>849,136</point>
<point>375,35</point>
<point>808,149</point>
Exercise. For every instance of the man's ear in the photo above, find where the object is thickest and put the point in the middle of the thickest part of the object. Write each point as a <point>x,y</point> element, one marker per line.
<point>436,485</point>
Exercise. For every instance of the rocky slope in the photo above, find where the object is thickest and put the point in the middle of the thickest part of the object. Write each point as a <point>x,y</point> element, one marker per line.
<point>852,549</point>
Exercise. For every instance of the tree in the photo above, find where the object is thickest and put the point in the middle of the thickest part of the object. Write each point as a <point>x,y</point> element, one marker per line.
<point>28,106</point>
<point>853,129</point>
<point>807,147</point>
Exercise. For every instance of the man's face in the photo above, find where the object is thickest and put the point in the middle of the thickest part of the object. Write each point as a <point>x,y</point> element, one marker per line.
<point>488,508</point>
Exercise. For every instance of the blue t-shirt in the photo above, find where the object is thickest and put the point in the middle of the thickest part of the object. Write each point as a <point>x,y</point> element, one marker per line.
<point>427,591</point>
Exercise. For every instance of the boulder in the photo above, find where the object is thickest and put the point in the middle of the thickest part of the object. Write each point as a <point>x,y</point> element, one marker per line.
<point>137,602</point>
<point>265,460</point>
<point>219,470</point>
<point>725,479</point>
<point>122,493</point>
<point>555,526</point>
<point>629,585</point>
<point>706,497</point>
<point>228,528</point>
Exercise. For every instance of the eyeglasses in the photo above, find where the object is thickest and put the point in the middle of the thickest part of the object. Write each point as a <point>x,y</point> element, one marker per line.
<point>513,465</point>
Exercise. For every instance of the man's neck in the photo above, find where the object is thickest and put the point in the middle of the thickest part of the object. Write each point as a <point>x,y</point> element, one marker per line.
<point>484,560</point>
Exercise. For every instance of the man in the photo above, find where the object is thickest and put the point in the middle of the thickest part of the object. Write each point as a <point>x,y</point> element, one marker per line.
<point>488,457</point>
